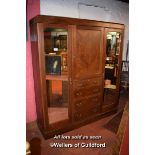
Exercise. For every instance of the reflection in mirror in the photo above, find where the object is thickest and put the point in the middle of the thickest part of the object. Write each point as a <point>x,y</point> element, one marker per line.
<point>57,96</point>
<point>112,55</point>
<point>56,68</point>
<point>55,40</point>
<point>113,47</point>
<point>55,47</point>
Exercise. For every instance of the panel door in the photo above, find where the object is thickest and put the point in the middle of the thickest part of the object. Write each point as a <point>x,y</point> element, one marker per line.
<point>87,66</point>
<point>87,54</point>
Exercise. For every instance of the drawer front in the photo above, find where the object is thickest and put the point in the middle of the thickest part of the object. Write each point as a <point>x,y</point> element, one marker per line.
<point>79,116</point>
<point>87,91</point>
<point>87,83</point>
<point>87,98</point>
<point>87,103</point>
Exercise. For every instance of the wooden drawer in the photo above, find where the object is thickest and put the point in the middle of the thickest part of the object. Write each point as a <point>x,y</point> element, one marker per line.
<point>87,91</point>
<point>87,103</point>
<point>87,83</point>
<point>95,81</point>
<point>94,90</point>
<point>87,113</point>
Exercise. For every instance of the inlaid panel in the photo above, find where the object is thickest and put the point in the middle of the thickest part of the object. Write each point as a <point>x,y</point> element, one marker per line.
<point>87,57</point>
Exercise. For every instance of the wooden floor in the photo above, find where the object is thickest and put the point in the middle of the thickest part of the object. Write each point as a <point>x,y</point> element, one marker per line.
<point>105,127</point>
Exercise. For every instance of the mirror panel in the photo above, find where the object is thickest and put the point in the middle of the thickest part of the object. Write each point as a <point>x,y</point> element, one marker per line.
<point>112,56</point>
<point>113,47</point>
<point>57,96</point>
<point>56,68</point>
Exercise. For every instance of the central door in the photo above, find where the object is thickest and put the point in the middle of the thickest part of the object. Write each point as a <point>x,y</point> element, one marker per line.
<point>87,72</point>
<point>87,55</point>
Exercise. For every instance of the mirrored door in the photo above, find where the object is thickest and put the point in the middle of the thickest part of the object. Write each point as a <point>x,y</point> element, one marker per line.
<point>56,68</point>
<point>112,65</point>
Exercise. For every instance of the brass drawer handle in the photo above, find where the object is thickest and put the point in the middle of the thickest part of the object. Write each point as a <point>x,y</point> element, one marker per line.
<point>79,104</point>
<point>78,116</point>
<point>95,82</point>
<point>78,94</point>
